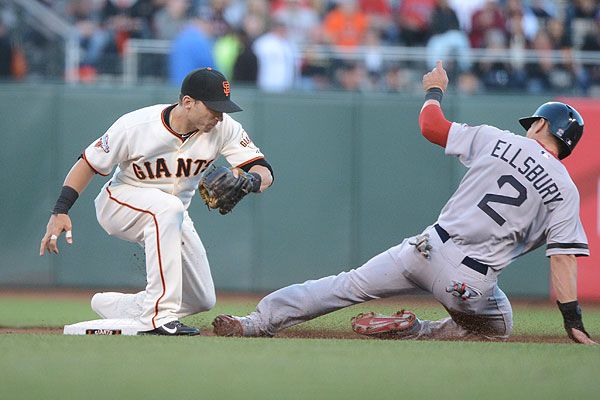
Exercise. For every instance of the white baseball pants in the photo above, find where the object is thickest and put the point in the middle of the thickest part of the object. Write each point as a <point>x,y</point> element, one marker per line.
<point>179,281</point>
<point>394,272</point>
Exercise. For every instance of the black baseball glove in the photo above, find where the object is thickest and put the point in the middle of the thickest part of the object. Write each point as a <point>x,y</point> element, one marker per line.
<point>223,188</point>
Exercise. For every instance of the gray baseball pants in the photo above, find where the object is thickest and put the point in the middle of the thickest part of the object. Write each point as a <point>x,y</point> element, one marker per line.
<point>486,313</point>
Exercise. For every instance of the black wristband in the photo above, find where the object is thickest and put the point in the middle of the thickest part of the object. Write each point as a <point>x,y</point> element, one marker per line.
<point>65,201</point>
<point>256,182</point>
<point>571,313</point>
<point>434,93</point>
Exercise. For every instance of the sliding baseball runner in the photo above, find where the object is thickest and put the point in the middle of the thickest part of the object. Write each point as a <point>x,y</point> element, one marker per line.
<point>515,197</point>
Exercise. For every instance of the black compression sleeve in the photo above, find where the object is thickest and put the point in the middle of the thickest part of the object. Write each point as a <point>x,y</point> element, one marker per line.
<point>260,161</point>
<point>571,313</point>
<point>435,93</point>
<point>65,201</point>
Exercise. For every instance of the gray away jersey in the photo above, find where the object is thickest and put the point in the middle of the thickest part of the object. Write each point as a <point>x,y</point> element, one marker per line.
<point>514,197</point>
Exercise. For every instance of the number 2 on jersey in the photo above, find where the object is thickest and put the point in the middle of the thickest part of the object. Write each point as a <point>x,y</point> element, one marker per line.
<point>498,198</point>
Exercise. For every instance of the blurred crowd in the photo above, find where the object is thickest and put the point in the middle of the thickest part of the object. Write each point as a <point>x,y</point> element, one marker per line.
<point>278,44</point>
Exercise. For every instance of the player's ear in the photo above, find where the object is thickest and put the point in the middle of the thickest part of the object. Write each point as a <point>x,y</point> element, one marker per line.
<point>544,126</point>
<point>186,101</point>
<point>539,126</point>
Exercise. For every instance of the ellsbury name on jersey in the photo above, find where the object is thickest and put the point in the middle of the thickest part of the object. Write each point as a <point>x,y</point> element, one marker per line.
<point>530,168</point>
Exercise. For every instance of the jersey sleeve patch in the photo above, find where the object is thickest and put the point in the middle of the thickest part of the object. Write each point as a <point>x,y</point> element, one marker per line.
<point>102,143</point>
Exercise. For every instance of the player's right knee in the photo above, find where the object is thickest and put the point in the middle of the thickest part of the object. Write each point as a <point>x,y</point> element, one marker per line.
<point>206,303</point>
<point>498,326</point>
<point>99,303</point>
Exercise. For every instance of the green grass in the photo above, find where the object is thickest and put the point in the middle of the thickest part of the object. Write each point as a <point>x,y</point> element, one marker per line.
<point>32,312</point>
<point>64,367</point>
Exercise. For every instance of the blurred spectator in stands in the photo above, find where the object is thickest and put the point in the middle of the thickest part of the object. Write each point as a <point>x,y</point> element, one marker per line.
<point>497,73</point>
<point>226,51</point>
<point>562,42</point>
<point>489,18</point>
<point>350,76</point>
<point>373,58</point>
<point>234,13</point>
<point>557,34</point>
<point>170,19</point>
<point>238,12</point>
<point>192,48</point>
<point>580,17</point>
<point>228,44</point>
<point>93,39</point>
<point>245,67</point>
<point>300,18</point>
<point>379,14</point>
<point>127,19</point>
<point>346,25</point>
<point>315,69</point>
<point>8,15</point>
<point>591,42</point>
<point>446,38</point>
<point>518,44</point>
<point>413,18</point>
<point>396,79</point>
<point>234,49</point>
<point>40,48</point>
<point>547,74</point>
<point>277,59</point>
<point>543,9</point>
<point>464,10</point>
<point>5,53</point>
<point>516,11</point>
<point>220,26</point>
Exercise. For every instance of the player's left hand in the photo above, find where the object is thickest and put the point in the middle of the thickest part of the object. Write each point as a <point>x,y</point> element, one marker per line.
<point>580,337</point>
<point>437,77</point>
<point>222,188</point>
<point>57,224</point>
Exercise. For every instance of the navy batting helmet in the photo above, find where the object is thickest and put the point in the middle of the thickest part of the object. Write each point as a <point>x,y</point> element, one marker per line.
<point>565,124</point>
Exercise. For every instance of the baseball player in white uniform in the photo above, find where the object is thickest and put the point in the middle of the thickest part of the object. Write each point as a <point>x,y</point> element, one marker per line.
<point>160,153</point>
<point>515,197</point>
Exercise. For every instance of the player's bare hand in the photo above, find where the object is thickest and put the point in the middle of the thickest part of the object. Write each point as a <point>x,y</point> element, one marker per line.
<point>579,337</point>
<point>437,77</point>
<point>57,224</point>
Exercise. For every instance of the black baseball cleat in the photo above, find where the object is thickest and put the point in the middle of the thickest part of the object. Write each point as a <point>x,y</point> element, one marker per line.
<point>173,328</point>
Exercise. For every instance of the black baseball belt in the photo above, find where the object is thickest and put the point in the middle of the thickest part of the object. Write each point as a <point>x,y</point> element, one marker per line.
<point>468,261</point>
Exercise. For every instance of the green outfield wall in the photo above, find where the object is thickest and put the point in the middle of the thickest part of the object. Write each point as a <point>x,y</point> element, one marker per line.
<point>353,176</point>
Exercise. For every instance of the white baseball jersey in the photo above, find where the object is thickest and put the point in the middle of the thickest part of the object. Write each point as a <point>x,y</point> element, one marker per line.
<point>149,154</point>
<point>515,197</point>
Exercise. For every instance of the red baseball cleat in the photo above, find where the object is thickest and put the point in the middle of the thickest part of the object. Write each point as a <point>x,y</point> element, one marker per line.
<point>398,325</point>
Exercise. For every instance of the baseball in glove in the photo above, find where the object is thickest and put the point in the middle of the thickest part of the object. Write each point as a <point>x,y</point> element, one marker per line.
<point>223,188</point>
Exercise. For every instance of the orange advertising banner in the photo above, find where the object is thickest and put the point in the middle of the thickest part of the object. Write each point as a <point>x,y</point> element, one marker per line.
<point>584,167</point>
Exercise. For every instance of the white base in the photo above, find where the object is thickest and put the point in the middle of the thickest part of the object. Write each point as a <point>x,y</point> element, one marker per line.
<point>126,327</point>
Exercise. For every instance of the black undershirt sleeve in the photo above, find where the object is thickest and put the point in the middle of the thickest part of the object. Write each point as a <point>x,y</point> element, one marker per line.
<point>262,162</point>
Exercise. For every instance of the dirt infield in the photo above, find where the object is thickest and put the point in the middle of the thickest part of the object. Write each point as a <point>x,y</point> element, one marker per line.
<point>295,333</point>
<point>298,334</point>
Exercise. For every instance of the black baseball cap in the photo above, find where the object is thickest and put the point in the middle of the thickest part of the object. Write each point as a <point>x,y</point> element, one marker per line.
<point>210,87</point>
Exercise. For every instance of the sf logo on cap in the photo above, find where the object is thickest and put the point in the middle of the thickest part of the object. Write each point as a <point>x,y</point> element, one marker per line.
<point>226,88</point>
